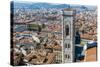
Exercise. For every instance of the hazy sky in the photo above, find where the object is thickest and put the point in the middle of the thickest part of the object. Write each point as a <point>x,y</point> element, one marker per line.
<point>82,2</point>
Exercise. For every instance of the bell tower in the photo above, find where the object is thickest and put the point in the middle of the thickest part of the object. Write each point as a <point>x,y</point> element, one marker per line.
<point>68,35</point>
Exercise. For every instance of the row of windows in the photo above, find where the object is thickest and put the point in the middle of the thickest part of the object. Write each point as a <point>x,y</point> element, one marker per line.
<point>67,56</point>
<point>59,57</point>
<point>67,45</point>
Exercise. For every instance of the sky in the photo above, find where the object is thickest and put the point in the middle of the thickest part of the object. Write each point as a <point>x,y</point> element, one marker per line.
<point>83,2</point>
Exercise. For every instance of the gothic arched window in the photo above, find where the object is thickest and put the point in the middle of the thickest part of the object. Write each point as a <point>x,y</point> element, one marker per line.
<point>67,30</point>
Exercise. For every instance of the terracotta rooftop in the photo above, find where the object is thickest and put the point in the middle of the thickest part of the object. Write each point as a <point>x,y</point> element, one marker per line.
<point>87,36</point>
<point>91,54</point>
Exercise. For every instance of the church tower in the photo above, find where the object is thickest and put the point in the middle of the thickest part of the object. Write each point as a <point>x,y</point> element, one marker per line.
<point>68,35</point>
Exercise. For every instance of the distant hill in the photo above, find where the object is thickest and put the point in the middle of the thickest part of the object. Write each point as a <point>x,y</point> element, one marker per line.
<point>39,5</point>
